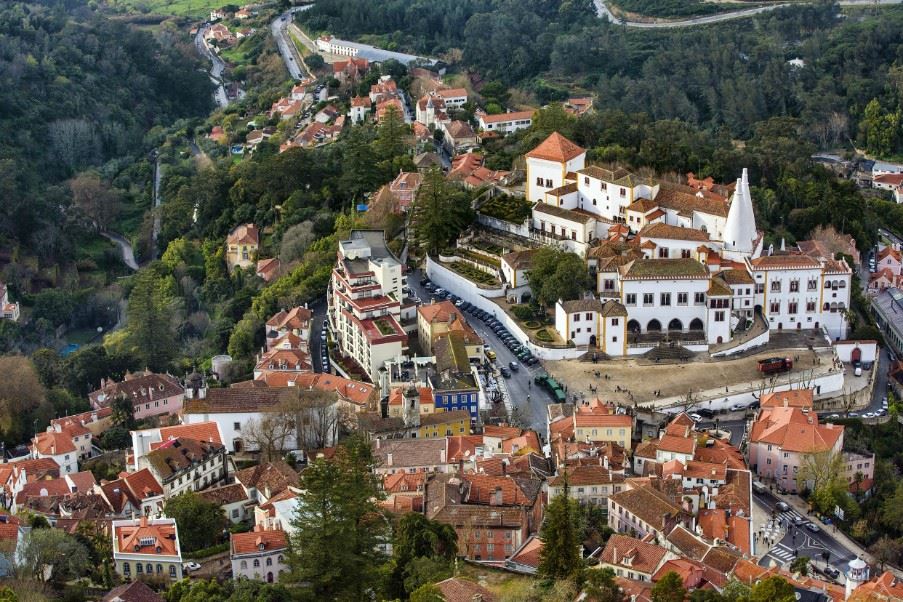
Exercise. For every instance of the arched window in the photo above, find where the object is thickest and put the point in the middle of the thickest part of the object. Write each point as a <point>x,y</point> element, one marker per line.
<point>244,564</point>
<point>696,324</point>
<point>843,284</point>
<point>280,558</point>
<point>269,562</point>
<point>159,569</point>
<point>149,569</point>
<point>654,326</point>
<point>256,563</point>
<point>126,569</point>
<point>139,568</point>
<point>675,325</point>
<point>172,570</point>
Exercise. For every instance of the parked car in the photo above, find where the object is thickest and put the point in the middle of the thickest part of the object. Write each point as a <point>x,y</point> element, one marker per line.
<point>505,372</point>
<point>514,366</point>
<point>191,566</point>
<point>813,527</point>
<point>696,417</point>
<point>737,407</point>
<point>831,572</point>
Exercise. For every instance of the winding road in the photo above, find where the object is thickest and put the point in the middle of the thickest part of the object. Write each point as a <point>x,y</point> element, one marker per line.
<point>217,66</point>
<point>603,12</point>
<point>290,55</point>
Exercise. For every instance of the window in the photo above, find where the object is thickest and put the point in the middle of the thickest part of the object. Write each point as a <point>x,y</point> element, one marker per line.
<point>774,307</point>
<point>126,569</point>
<point>608,285</point>
<point>776,286</point>
<point>614,321</point>
<point>236,426</point>
<point>159,569</point>
<point>792,307</point>
<point>576,317</point>
<point>269,562</point>
<point>235,513</point>
<point>682,298</point>
<point>648,298</point>
<point>588,316</point>
<point>139,568</point>
<point>172,570</point>
<point>602,186</point>
<point>244,564</point>
<point>539,181</point>
<point>810,307</point>
<point>490,548</point>
<point>623,192</point>
<point>812,285</point>
<point>663,253</point>
<point>586,181</point>
<point>665,298</point>
<point>794,286</point>
<point>256,562</point>
<point>548,183</point>
<point>630,298</point>
<point>150,569</point>
<point>699,298</point>
<point>760,288</point>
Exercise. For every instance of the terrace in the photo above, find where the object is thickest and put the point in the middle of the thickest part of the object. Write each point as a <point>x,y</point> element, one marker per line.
<point>511,209</point>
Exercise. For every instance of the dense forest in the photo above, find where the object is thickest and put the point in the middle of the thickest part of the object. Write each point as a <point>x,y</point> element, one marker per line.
<point>80,92</point>
<point>732,75</point>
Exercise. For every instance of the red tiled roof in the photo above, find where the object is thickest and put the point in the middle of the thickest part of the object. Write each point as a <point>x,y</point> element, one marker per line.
<point>244,234</point>
<point>250,542</point>
<point>556,148</point>
<point>136,591</point>
<point>201,431</point>
<point>681,445</point>
<point>127,538</point>
<point>53,443</point>
<point>456,589</point>
<point>794,431</point>
<point>797,398</point>
<point>640,556</point>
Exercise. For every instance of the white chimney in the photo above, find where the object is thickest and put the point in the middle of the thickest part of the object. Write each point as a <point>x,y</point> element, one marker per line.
<point>389,459</point>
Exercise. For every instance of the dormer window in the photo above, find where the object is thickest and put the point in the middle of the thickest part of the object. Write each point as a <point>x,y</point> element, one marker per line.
<point>261,547</point>
<point>147,541</point>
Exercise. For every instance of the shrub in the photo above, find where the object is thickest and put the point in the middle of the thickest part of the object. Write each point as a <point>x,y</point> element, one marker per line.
<point>544,335</point>
<point>532,324</point>
<point>522,312</point>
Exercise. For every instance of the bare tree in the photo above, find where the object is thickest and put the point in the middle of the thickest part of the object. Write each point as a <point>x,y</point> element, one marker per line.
<point>820,470</point>
<point>269,433</point>
<point>847,402</point>
<point>95,198</point>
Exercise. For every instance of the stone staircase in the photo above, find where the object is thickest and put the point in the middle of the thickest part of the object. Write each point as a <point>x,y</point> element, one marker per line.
<point>668,352</point>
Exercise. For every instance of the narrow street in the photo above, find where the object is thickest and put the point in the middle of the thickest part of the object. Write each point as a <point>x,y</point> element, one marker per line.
<point>217,67</point>
<point>797,539</point>
<point>529,402</point>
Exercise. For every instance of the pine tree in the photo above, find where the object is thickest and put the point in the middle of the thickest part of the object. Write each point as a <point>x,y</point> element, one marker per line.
<point>150,315</point>
<point>440,212</point>
<point>670,588</point>
<point>390,135</point>
<point>338,525</point>
<point>560,557</point>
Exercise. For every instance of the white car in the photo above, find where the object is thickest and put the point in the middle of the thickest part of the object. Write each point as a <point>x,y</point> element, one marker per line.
<point>696,417</point>
<point>191,566</point>
<point>737,407</point>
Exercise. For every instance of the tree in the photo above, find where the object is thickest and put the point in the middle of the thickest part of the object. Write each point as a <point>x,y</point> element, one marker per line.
<point>670,588</point>
<point>886,551</point>
<point>123,412</point>
<point>772,589</point>
<point>440,212</point>
<point>22,398</point>
<point>151,321</point>
<point>427,593</point>
<point>600,586</point>
<point>557,274</point>
<point>417,537</point>
<point>95,198</point>
<point>338,525</point>
<point>892,510</point>
<point>54,549</point>
<point>296,240</point>
<point>200,522</point>
<point>560,556</point>
<point>269,433</point>
<point>822,473</point>
<point>800,565</point>
<point>390,136</point>
<point>8,595</point>
<point>360,174</point>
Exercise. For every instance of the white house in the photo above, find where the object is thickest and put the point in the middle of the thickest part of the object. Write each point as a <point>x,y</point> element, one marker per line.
<point>594,323</point>
<point>58,447</point>
<point>505,123</point>
<point>360,108</point>
<point>549,163</point>
<point>454,98</point>
<point>184,464</point>
<point>147,547</point>
<point>259,555</point>
<point>333,45</point>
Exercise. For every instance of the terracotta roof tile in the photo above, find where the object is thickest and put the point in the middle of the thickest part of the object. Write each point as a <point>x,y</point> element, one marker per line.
<point>650,505</point>
<point>456,589</point>
<point>251,542</point>
<point>556,148</point>
<point>201,431</point>
<point>623,552</point>
<point>131,537</point>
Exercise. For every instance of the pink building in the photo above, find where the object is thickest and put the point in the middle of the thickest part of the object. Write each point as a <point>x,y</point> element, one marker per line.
<point>151,394</point>
<point>782,436</point>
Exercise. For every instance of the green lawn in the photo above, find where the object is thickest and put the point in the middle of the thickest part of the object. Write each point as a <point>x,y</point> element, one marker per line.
<point>179,8</point>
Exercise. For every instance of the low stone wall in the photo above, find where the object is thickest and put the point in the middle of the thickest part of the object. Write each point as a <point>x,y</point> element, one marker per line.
<point>754,342</point>
<point>504,226</point>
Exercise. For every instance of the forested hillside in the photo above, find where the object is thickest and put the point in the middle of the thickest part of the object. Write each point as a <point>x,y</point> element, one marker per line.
<point>731,75</point>
<point>79,91</point>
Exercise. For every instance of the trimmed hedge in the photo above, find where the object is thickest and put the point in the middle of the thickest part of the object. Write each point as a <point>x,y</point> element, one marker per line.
<point>543,335</point>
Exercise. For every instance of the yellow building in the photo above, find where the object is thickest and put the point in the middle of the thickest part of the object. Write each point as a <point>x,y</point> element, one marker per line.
<point>439,319</point>
<point>242,245</point>
<point>598,422</point>
<point>444,424</point>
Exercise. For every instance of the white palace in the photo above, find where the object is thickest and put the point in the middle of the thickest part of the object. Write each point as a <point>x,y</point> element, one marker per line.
<point>682,261</point>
